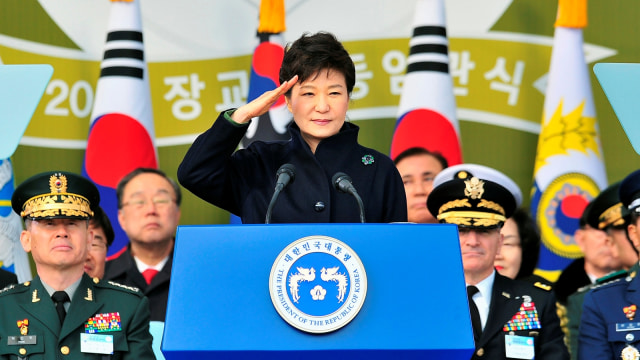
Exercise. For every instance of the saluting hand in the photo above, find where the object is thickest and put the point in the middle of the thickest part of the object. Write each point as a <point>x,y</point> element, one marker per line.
<point>263,103</point>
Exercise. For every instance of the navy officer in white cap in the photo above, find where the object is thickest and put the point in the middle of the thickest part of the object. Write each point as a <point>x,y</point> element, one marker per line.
<point>511,319</point>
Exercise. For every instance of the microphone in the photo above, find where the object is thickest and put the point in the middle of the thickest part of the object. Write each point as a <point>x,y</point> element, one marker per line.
<point>285,175</point>
<point>343,183</point>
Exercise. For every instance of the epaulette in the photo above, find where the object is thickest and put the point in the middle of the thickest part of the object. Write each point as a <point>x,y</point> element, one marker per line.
<point>561,311</point>
<point>115,285</point>
<point>585,288</point>
<point>14,288</point>
<point>615,281</point>
<point>614,275</point>
<point>542,286</point>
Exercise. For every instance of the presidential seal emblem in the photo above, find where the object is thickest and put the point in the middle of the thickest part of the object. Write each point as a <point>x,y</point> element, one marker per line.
<point>318,284</point>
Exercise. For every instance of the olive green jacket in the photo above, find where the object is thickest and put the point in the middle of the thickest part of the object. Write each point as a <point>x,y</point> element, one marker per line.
<point>46,338</point>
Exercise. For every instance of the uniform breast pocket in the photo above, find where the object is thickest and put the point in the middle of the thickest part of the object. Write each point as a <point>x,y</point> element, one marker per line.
<point>16,347</point>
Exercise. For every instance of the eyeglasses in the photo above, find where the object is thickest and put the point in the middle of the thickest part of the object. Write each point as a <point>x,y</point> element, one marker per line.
<point>98,246</point>
<point>158,201</point>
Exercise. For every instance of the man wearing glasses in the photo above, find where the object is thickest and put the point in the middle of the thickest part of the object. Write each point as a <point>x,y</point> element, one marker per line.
<point>149,213</point>
<point>103,236</point>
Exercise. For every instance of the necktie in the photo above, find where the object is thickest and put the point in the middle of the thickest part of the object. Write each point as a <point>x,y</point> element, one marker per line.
<point>473,311</point>
<point>149,274</point>
<point>59,298</point>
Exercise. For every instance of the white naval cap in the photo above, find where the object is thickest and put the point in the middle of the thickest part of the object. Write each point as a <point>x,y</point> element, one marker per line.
<point>481,172</point>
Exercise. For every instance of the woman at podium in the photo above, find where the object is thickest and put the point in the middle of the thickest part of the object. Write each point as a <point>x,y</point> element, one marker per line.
<point>321,174</point>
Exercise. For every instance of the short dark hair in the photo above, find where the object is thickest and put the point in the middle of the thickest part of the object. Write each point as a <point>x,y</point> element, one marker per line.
<point>312,53</point>
<point>417,150</point>
<point>125,180</point>
<point>529,242</point>
<point>101,220</point>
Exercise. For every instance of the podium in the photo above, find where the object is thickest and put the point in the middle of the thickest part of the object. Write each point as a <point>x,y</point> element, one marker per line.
<point>220,305</point>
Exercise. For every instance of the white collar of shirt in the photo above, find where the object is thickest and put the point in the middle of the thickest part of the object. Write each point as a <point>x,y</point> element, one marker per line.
<point>592,278</point>
<point>483,297</point>
<point>142,266</point>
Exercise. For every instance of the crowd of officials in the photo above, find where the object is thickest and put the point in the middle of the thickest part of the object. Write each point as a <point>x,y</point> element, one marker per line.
<point>82,306</point>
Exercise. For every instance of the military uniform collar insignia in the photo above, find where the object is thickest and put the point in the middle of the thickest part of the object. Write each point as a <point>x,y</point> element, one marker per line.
<point>34,296</point>
<point>89,296</point>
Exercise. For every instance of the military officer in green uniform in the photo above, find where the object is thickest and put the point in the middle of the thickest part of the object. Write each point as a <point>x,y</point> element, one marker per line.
<point>63,313</point>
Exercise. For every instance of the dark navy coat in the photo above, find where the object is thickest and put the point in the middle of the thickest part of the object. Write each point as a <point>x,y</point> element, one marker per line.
<point>124,270</point>
<point>507,296</point>
<point>605,328</point>
<point>243,182</point>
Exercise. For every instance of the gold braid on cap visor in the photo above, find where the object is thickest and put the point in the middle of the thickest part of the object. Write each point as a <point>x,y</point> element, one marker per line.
<point>61,204</point>
<point>611,216</point>
<point>472,218</point>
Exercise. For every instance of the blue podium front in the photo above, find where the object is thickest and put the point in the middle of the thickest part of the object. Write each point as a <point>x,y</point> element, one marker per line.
<point>220,304</point>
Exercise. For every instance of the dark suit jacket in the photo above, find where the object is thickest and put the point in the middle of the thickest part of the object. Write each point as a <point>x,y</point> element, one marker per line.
<point>32,302</point>
<point>7,278</point>
<point>506,298</point>
<point>123,270</point>
<point>243,183</point>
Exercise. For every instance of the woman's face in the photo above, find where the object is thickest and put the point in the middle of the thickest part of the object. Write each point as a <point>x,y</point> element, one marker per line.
<point>319,106</point>
<point>509,259</point>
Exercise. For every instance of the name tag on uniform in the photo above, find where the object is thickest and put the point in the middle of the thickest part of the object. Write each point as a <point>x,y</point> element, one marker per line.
<point>519,347</point>
<point>632,326</point>
<point>22,340</point>
<point>96,343</point>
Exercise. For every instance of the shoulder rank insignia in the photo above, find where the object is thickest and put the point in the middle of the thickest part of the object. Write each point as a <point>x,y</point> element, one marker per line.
<point>608,283</point>
<point>614,275</point>
<point>542,286</point>
<point>9,287</point>
<point>131,288</point>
